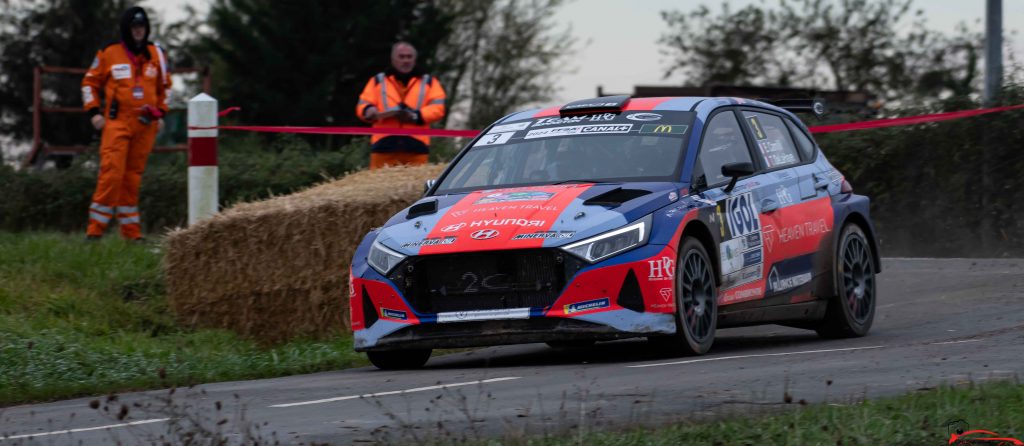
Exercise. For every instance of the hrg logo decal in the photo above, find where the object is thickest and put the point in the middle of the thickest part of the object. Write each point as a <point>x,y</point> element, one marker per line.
<point>484,234</point>
<point>661,269</point>
<point>643,116</point>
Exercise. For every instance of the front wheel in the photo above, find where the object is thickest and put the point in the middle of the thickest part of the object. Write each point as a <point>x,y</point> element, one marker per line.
<point>852,310</point>
<point>399,359</point>
<point>696,301</point>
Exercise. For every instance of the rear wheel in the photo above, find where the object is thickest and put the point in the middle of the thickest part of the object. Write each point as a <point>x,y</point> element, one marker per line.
<point>852,310</point>
<point>399,359</point>
<point>696,301</point>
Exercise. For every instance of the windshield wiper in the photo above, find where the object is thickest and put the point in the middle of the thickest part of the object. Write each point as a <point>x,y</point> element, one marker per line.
<point>587,181</point>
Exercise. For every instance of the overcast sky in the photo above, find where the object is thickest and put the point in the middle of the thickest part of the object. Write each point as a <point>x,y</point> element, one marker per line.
<point>618,38</point>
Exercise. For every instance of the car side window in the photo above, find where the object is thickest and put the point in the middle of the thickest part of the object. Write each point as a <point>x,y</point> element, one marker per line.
<point>772,139</point>
<point>803,143</point>
<point>723,143</point>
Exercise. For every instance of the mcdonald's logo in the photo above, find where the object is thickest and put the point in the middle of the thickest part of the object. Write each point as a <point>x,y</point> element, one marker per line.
<point>663,128</point>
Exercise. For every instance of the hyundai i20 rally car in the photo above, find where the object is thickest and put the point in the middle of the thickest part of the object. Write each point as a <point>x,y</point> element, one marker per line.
<point>611,218</point>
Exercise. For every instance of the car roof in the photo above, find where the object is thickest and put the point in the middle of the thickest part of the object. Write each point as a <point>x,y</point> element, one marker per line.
<point>688,103</point>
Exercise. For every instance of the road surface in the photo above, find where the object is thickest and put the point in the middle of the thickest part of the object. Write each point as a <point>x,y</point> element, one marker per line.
<point>938,321</point>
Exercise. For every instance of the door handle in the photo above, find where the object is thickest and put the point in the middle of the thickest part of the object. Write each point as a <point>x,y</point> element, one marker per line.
<point>768,206</point>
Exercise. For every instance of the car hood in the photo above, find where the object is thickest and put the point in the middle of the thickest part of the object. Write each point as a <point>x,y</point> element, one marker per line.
<point>521,217</point>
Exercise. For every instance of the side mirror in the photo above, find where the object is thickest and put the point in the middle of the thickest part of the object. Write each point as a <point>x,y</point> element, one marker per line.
<point>736,171</point>
<point>427,185</point>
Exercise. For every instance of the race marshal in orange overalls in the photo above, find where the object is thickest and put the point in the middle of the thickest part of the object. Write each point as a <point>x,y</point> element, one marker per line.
<point>131,77</point>
<point>403,98</point>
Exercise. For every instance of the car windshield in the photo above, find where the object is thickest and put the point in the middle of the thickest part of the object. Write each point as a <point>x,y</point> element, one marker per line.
<point>603,147</point>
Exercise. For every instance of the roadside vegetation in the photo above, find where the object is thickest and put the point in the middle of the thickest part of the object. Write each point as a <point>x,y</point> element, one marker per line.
<point>915,419</point>
<point>80,318</point>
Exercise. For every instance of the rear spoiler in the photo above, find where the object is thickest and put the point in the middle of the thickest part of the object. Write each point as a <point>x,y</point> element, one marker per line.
<point>815,106</point>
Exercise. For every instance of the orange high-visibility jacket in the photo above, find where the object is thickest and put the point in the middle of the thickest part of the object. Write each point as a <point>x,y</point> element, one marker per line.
<point>422,93</point>
<point>118,75</point>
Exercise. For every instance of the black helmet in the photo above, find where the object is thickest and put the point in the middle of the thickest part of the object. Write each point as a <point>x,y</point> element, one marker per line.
<point>134,16</point>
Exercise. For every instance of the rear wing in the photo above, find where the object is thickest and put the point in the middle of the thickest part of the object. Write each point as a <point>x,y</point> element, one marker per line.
<point>815,106</point>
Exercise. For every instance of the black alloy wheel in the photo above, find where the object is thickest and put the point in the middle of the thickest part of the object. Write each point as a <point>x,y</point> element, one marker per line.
<point>852,310</point>
<point>696,299</point>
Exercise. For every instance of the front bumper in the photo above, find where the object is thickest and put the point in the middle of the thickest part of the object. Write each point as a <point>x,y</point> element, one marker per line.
<point>628,296</point>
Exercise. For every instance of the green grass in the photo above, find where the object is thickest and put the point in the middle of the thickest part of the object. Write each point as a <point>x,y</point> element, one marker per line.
<point>915,419</point>
<point>79,318</point>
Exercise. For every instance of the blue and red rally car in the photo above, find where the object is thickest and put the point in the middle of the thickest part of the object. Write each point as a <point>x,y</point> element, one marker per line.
<point>611,218</point>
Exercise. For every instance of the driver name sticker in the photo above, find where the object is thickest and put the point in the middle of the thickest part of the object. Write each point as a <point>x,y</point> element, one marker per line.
<point>579,130</point>
<point>492,139</point>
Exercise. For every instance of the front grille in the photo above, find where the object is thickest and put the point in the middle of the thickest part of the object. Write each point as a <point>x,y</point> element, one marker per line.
<point>484,280</point>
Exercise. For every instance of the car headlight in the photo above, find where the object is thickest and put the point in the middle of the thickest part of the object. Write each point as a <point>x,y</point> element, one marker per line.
<point>600,247</point>
<point>383,259</point>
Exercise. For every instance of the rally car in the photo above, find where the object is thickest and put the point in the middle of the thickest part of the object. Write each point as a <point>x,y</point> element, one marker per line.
<point>618,217</point>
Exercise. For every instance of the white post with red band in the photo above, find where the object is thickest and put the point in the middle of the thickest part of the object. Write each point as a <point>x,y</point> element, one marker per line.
<point>202,158</point>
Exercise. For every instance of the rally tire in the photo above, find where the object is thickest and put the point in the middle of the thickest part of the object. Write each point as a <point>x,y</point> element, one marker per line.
<point>399,359</point>
<point>696,301</point>
<point>851,311</point>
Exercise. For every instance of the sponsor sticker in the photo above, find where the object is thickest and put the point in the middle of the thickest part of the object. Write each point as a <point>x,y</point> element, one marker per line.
<point>493,139</point>
<point>666,294</point>
<point>783,195</point>
<point>663,128</point>
<point>393,314</point>
<point>643,116</point>
<point>121,71</point>
<point>743,276</point>
<point>509,127</point>
<point>600,117</point>
<point>507,222</point>
<point>778,283</point>
<point>741,215</point>
<point>661,269</point>
<point>483,315</point>
<point>150,71</point>
<point>579,130</point>
<point>545,235</point>
<point>504,197</point>
<point>739,295</point>
<point>587,305</point>
<point>431,242</point>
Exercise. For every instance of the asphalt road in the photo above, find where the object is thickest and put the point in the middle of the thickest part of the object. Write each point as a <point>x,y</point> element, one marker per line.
<point>938,321</point>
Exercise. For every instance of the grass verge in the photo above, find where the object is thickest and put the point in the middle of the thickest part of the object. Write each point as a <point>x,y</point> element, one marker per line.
<point>80,318</point>
<point>915,419</point>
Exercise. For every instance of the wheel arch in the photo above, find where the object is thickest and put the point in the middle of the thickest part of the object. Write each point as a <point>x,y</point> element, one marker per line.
<point>700,231</point>
<point>862,222</point>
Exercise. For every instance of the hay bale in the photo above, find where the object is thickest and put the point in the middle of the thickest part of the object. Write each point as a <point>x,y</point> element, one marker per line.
<point>278,269</point>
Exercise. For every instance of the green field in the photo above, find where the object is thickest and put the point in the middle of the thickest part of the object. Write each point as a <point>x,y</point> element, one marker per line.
<point>80,318</point>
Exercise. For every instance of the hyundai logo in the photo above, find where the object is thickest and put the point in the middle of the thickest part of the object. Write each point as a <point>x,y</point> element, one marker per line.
<point>484,234</point>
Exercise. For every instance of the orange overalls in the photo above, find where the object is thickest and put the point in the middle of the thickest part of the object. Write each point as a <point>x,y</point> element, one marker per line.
<point>422,94</point>
<point>132,82</point>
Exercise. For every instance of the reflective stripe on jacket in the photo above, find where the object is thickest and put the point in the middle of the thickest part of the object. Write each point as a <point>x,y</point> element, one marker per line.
<point>423,93</point>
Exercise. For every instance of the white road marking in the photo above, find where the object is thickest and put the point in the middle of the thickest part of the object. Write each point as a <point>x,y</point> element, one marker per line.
<point>956,342</point>
<point>397,392</point>
<point>84,429</point>
<point>760,355</point>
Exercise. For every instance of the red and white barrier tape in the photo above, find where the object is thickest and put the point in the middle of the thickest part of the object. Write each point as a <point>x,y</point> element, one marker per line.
<point>863,125</point>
